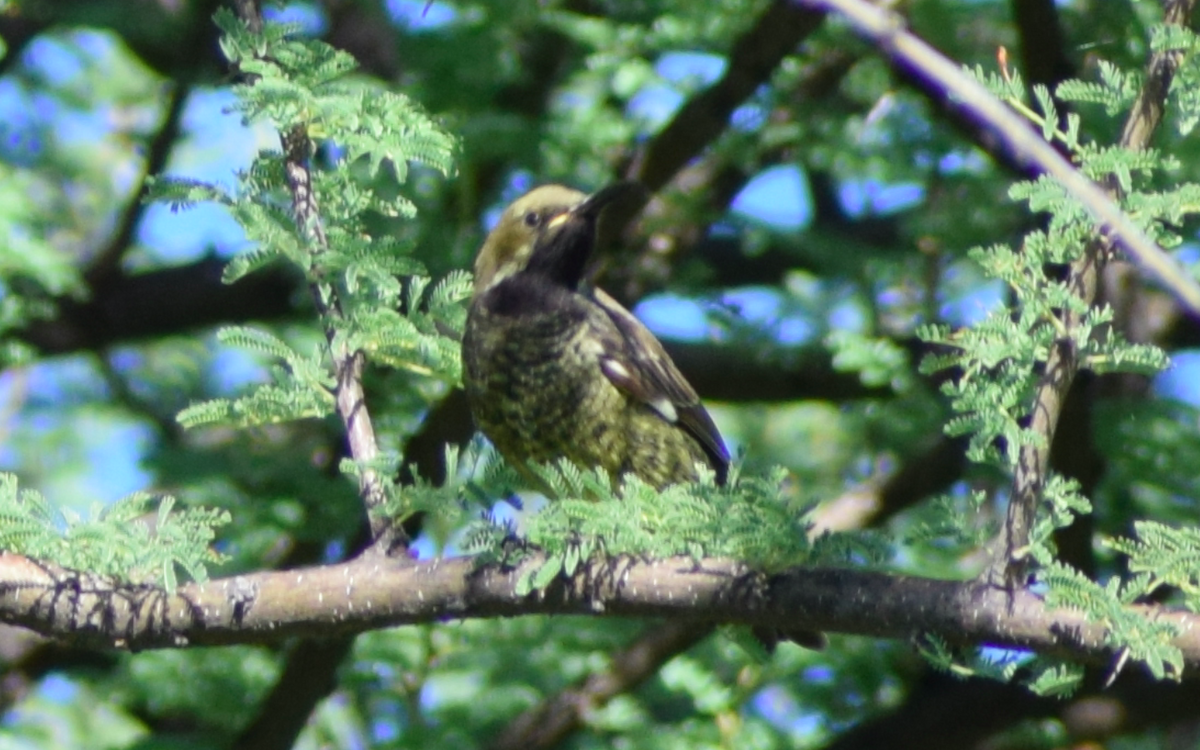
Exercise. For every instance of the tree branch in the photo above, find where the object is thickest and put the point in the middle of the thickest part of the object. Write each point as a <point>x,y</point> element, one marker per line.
<point>753,57</point>
<point>164,302</point>
<point>752,60</point>
<point>106,264</point>
<point>929,472</point>
<point>1043,46</point>
<point>552,721</point>
<point>949,713</point>
<point>1014,135</point>
<point>1062,362</point>
<point>309,675</point>
<point>347,363</point>
<point>376,591</point>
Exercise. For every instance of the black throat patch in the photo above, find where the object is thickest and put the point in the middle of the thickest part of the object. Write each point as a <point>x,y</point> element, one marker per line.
<point>526,294</point>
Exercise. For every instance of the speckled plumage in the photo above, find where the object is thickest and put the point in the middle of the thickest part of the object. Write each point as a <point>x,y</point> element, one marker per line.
<point>555,369</point>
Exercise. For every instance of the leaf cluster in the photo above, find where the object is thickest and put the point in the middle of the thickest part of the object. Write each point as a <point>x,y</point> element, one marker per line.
<point>375,297</point>
<point>1001,358</point>
<point>129,540</point>
<point>1042,675</point>
<point>1163,556</point>
<point>999,361</point>
<point>754,519</point>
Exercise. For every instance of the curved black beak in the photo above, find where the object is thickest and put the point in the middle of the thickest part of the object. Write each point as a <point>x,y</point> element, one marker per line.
<point>599,200</point>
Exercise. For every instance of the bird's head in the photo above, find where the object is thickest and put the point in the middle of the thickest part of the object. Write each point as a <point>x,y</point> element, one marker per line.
<point>551,230</point>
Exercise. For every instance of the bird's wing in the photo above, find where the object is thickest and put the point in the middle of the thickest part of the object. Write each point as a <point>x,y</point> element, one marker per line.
<point>642,368</point>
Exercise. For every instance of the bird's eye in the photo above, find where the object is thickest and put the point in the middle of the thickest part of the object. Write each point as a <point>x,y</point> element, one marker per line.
<point>532,219</point>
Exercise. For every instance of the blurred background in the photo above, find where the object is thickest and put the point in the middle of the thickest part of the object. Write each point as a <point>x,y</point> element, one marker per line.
<point>812,207</point>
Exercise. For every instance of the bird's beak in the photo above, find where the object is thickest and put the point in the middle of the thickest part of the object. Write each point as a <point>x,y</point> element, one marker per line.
<point>592,205</point>
<point>597,201</point>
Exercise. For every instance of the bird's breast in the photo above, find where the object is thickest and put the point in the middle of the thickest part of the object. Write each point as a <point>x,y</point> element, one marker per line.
<point>532,374</point>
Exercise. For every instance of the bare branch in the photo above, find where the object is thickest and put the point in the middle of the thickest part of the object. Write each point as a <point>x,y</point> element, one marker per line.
<point>164,302</point>
<point>705,116</point>
<point>106,264</point>
<point>309,675</point>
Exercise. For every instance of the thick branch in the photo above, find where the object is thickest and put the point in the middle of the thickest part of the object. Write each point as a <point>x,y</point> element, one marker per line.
<point>378,591</point>
<point>165,302</point>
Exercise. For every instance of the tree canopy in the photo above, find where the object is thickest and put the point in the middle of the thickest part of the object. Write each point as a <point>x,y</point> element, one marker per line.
<point>932,267</point>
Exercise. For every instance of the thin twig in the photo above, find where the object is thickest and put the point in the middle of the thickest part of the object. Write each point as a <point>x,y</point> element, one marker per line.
<point>1062,362</point>
<point>547,724</point>
<point>106,263</point>
<point>347,363</point>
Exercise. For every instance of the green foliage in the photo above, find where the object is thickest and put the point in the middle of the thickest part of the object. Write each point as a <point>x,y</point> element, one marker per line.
<point>46,720</point>
<point>1002,358</point>
<point>423,337</point>
<point>942,523</point>
<point>304,82</point>
<point>943,656</point>
<point>1162,550</point>
<point>756,520</point>
<point>1054,679</point>
<point>221,685</point>
<point>1042,675</point>
<point>1114,91</point>
<point>1135,636</point>
<point>1183,87</point>
<point>878,361</point>
<point>1160,555</point>
<point>536,91</point>
<point>379,301</point>
<point>121,541</point>
<point>1151,455</point>
<point>301,389</point>
<point>1062,501</point>
<point>32,269</point>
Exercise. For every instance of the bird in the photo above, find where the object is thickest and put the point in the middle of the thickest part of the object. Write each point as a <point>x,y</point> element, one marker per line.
<point>555,368</point>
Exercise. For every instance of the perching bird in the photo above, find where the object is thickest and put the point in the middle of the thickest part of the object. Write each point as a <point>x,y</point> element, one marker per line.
<point>556,368</point>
